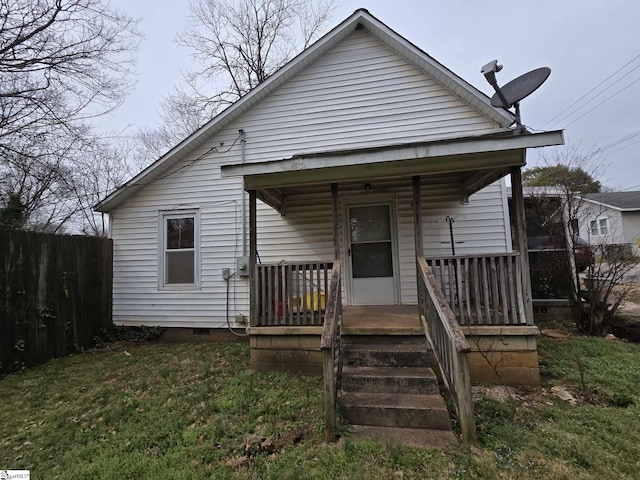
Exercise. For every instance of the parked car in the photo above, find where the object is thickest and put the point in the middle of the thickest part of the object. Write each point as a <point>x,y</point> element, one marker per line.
<point>582,250</point>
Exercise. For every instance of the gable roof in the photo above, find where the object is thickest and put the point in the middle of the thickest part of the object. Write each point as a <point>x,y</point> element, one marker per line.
<point>623,201</point>
<point>360,19</point>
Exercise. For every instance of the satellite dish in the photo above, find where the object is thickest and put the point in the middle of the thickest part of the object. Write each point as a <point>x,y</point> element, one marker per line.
<point>510,94</point>
<point>521,87</point>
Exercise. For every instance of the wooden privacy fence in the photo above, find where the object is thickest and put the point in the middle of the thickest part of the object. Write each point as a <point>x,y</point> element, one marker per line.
<point>289,293</point>
<point>482,289</point>
<point>55,295</point>
<point>449,347</point>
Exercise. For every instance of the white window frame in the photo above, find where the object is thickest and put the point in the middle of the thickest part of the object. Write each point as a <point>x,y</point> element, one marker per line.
<point>598,223</point>
<point>163,216</point>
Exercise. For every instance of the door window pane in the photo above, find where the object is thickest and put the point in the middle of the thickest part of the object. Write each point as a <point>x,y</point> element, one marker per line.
<point>371,223</point>
<point>372,260</point>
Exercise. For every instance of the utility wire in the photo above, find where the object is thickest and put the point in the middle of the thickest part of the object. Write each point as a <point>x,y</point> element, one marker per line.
<point>629,188</point>
<point>623,147</point>
<point>621,140</point>
<point>603,102</point>
<point>199,157</point>
<point>575,110</point>
<point>595,88</point>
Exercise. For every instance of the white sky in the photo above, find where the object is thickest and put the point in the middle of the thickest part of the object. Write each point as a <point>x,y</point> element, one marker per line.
<point>582,41</point>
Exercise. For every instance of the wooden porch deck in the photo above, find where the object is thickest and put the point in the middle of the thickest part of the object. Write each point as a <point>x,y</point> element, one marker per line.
<point>381,320</point>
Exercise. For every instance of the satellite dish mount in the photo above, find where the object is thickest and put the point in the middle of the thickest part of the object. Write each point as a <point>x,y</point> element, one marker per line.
<point>509,95</point>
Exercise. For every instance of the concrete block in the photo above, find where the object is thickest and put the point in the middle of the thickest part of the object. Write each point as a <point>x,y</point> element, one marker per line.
<point>285,342</point>
<point>309,342</point>
<point>490,343</point>
<point>508,375</point>
<point>315,357</point>
<point>504,359</point>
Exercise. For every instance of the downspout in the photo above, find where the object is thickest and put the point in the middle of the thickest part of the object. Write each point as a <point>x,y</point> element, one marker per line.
<point>245,250</point>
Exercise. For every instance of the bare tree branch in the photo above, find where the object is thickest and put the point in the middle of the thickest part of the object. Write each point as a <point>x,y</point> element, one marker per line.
<point>62,62</point>
<point>235,45</point>
<point>597,292</point>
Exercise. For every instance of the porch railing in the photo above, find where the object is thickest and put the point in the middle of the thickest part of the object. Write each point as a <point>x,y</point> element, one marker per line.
<point>449,347</point>
<point>291,294</point>
<point>482,289</point>
<point>330,346</point>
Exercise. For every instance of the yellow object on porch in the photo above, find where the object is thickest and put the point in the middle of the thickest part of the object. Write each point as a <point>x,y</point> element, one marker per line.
<point>314,301</point>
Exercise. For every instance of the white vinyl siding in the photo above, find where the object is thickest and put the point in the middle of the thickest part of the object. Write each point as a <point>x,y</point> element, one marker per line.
<point>358,95</point>
<point>631,230</point>
<point>137,298</point>
<point>600,225</point>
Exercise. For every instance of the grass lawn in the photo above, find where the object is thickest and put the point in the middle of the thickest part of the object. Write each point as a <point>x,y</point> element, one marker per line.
<point>156,411</point>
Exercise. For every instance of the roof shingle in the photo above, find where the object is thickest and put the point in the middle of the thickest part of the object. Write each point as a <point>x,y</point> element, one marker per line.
<point>620,200</point>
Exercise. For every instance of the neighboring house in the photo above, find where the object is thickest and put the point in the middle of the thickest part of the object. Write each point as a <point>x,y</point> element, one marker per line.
<point>332,150</point>
<point>611,218</point>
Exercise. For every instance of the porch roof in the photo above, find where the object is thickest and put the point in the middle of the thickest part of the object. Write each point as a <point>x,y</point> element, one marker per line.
<point>479,160</point>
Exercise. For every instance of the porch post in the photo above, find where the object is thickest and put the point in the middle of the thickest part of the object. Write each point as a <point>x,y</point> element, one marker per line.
<point>253,253</point>
<point>520,232</point>
<point>334,213</point>
<point>417,215</point>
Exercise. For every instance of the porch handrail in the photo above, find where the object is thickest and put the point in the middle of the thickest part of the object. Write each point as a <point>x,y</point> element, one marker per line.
<point>449,346</point>
<point>330,347</point>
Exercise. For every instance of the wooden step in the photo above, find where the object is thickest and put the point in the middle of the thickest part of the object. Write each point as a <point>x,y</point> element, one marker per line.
<point>375,339</point>
<point>395,410</point>
<point>411,437</point>
<point>364,355</point>
<point>417,380</point>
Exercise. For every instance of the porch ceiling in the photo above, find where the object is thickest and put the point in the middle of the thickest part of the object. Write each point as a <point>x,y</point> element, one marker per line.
<point>478,161</point>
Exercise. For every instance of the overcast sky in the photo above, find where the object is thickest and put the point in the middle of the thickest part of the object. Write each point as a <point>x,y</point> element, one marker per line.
<point>582,41</point>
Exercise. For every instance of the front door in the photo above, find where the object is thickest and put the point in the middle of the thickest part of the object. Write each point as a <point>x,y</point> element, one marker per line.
<point>370,252</point>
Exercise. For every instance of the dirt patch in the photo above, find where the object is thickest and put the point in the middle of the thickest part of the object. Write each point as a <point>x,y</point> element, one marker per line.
<point>555,333</point>
<point>634,295</point>
<point>524,395</point>
<point>527,397</point>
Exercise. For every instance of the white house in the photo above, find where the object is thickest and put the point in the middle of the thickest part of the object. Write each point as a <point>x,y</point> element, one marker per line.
<point>611,218</point>
<point>325,160</point>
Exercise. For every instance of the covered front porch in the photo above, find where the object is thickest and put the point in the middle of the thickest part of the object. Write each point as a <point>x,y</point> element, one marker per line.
<point>380,209</point>
<point>388,272</point>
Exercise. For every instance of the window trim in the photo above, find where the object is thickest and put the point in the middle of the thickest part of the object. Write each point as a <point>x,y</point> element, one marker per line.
<point>163,216</point>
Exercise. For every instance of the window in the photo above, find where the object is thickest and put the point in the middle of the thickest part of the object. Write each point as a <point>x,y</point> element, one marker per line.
<point>599,227</point>
<point>180,254</point>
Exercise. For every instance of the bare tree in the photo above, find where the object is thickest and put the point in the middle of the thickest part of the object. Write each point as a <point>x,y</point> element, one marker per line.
<point>597,287</point>
<point>38,180</point>
<point>62,63</point>
<point>56,188</point>
<point>103,168</point>
<point>235,45</point>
